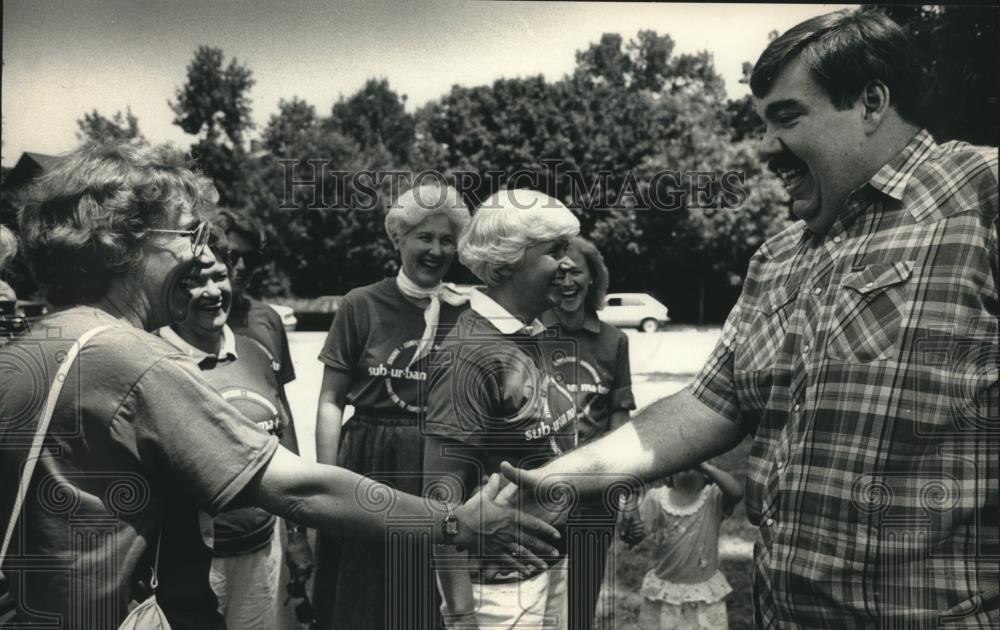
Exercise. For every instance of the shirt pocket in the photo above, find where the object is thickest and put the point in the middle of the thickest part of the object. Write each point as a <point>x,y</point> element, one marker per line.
<point>766,325</point>
<point>868,311</point>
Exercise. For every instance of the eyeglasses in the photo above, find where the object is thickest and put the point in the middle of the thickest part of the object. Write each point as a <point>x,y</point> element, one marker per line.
<point>199,236</point>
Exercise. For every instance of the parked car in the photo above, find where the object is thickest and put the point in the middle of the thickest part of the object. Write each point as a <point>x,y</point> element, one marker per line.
<point>634,309</point>
<point>287,313</point>
<point>316,314</point>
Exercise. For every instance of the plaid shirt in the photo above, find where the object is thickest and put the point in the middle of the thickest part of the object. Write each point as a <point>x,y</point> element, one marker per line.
<point>864,363</point>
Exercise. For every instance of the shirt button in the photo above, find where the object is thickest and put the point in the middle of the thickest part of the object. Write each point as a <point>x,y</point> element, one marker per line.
<point>837,239</point>
<point>805,348</point>
<point>796,407</point>
<point>769,522</point>
<point>869,285</point>
<point>780,464</point>
<point>817,290</point>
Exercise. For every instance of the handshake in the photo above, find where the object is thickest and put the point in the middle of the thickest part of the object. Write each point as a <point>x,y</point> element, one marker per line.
<point>512,522</point>
<point>511,529</point>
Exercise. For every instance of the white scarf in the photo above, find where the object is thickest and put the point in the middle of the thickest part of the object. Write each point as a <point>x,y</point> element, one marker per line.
<point>445,291</point>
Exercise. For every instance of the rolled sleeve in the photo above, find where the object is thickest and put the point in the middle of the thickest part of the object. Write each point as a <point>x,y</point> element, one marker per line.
<point>715,385</point>
<point>621,396</point>
<point>287,374</point>
<point>184,429</point>
<point>342,349</point>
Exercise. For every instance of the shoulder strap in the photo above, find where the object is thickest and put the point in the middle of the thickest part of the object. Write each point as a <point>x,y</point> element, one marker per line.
<point>42,430</point>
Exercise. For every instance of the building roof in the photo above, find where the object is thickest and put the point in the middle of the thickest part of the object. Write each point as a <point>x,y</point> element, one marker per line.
<point>28,167</point>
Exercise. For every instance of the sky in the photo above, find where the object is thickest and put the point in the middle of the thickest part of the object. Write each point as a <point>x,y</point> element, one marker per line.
<point>62,59</point>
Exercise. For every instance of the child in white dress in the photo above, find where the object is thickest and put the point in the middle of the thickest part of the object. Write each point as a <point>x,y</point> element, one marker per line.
<point>685,589</point>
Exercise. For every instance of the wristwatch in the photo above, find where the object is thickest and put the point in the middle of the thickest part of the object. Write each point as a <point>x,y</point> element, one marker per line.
<point>449,525</point>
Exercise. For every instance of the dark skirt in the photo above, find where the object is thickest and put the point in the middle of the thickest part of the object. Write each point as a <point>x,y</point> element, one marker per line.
<point>385,585</point>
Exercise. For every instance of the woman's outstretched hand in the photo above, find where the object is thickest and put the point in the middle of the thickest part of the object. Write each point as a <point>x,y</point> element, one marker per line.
<point>504,534</point>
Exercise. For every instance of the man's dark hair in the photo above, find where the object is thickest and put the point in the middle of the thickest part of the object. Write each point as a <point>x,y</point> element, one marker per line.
<point>844,51</point>
<point>227,220</point>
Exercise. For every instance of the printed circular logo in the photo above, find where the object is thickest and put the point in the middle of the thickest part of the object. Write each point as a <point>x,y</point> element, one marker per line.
<point>396,368</point>
<point>255,406</point>
<point>586,384</point>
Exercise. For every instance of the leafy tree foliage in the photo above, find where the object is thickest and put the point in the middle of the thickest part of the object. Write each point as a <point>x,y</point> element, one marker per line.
<point>959,47</point>
<point>215,99</point>
<point>214,104</point>
<point>95,127</point>
<point>601,139</point>
<point>598,140</point>
<point>375,117</point>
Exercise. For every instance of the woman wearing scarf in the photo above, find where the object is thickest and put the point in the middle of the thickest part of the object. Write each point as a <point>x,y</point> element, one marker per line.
<point>376,360</point>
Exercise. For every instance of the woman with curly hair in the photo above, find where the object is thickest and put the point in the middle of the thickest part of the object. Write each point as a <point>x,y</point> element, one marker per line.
<point>137,442</point>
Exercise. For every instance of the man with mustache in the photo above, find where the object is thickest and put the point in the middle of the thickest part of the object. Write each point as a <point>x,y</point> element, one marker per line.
<point>861,356</point>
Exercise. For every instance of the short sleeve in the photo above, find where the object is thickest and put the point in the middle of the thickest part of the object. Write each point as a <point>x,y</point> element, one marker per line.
<point>343,346</point>
<point>203,444</point>
<point>715,385</point>
<point>458,399</point>
<point>621,394</point>
<point>650,511</point>
<point>287,374</point>
<point>717,497</point>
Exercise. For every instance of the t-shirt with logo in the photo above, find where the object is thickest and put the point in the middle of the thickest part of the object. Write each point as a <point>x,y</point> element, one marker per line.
<point>499,393</point>
<point>598,373</point>
<point>138,443</point>
<point>373,338</point>
<point>245,378</point>
<point>261,322</point>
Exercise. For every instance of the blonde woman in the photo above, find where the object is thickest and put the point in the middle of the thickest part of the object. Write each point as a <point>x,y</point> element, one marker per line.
<point>375,359</point>
<point>494,397</point>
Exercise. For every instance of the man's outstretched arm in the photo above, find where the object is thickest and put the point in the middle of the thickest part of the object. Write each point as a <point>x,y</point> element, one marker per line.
<point>672,434</point>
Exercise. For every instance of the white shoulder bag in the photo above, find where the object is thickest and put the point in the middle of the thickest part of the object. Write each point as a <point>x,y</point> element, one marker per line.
<point>145,616</point>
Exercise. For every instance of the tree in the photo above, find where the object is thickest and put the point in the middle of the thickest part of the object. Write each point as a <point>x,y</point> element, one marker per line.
<point>214,99</point>
<point>375,117</point>
<point>629,112</point>
<point>959,47</point>
<point>333,225</point>
<point>214,104</point>
<point>96,128</point>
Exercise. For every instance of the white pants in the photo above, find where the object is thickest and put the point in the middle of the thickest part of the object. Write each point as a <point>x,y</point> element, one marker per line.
<point>248,586</point>
<point>538,603</point>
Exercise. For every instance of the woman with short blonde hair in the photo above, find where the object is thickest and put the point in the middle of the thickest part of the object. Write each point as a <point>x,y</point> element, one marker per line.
<point>375,359</point>
<point>494,397</point>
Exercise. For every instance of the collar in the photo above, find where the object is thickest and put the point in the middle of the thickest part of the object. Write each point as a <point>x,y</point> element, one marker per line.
<point>591,323</point>
<point>227,352</point>
<point>894,175</point>
<point>500,317</point>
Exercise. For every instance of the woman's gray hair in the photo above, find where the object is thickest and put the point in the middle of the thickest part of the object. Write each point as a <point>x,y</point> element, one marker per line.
<point>8,246</point>
<point>422,201</point>
<point>505,225</point>
<point>91,214</point>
